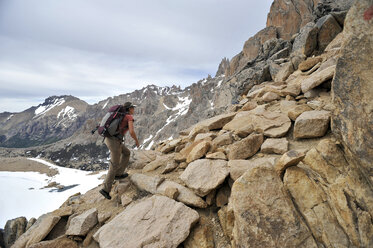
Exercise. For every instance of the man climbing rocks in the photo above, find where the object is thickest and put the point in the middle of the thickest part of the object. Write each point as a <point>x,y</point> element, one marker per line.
<point>119,153</point>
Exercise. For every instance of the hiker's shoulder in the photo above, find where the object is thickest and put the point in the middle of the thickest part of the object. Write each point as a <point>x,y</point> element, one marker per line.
<point>129,117</point>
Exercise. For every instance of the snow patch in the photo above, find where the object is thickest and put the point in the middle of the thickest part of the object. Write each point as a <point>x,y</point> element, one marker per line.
<point>105,104</point>
<point>150,145</point>
<point>168,108</point>
<point>28,187</point>
<point>44,109</point>
<point>68,112</point>
<point>10,117</point>
<point>219,83</point>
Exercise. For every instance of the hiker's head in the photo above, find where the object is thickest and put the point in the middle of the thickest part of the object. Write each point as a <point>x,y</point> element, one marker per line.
<point>130,108</point>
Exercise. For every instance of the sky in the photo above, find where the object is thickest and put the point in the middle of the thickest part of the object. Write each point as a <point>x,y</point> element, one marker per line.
<point>94,49</point>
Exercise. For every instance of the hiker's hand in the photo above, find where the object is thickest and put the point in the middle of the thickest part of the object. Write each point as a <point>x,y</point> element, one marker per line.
<point>137,144</point>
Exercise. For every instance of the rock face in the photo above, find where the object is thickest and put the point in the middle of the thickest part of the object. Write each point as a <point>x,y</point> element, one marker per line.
<point>13,230</point>
<point>290,16</point>
<point>154,222</point>
<point>264,214</point>
<point>352,88</point>
<point>204,175</point>
<point>83,223</point>
<point>253,45</point>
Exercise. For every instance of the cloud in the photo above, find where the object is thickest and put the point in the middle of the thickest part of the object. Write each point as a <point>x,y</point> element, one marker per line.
<point>93,49</point>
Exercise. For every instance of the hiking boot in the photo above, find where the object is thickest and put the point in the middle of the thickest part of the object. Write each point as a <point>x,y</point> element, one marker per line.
<point>105,194</point>
<point>124,175</point>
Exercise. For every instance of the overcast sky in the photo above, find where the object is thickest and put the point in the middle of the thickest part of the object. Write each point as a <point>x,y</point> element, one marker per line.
<point>93,49</point>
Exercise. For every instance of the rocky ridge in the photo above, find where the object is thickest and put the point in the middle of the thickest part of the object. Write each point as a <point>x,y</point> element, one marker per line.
<point>287,166</point>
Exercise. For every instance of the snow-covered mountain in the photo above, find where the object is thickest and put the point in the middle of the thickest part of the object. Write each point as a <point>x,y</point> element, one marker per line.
<point>55,119</point>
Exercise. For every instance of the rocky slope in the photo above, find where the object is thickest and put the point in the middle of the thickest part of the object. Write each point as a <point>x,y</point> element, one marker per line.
<point>271,55</point>
<point>289,165</point>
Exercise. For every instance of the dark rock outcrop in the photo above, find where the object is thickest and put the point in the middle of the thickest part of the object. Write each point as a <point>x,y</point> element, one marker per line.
<point>352,89</point>
<point>13,230</point>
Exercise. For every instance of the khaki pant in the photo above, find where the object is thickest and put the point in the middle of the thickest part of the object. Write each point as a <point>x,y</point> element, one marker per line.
<point>120,155</point>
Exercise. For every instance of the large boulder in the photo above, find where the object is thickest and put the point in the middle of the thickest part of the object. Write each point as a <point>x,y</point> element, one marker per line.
<point>157,221</point>
<point>311,124</point>
<point>353,89</point>
<point>328,30</point>
<point>38,231</point>
<point>13,230</point>
<point>306,41</point>
<point>205,175</point>
<point>264,213</point>
<point>317,78</point>
<point>246,147</point>
<point>80,225</point>
<point>310,199</point>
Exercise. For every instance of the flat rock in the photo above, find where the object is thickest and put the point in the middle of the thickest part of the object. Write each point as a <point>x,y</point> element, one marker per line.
<point>185,195</point>
<point>57,243</point>
<point>249,106</point>
<point>270,96</point>
<point>238,167</point>
<point>290,158</point>
<point>205,136</point>
<point>245,148</point>
<point>297,110</point>
<point>80,225</point>
<point>217,155</point>
<point>240,126</point>
<point>271,124</point>
<point>217,122</point>
<point>171,145</point>
<point>311,124</point>
<point>264,213</point>
<point>205,175</point>
<point>38,231</point>
<point>171,165</point>
<point>158,162</point>
<point>146,183</point>
<point>198,151</point>
<point>157,221</point>
<point>223,139</point>
<point>278,146</point>
<point>125,200</point>
<point>317,78</point>
<point>309,63</point>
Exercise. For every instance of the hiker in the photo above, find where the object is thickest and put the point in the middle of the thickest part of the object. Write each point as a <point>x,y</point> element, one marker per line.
<point>119,153</point>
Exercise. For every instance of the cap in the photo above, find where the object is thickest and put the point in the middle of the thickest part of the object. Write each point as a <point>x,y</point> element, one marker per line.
<point>128,105</point>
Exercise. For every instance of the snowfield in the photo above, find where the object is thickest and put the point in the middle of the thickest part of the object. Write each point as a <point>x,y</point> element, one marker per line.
<point>23,193</point>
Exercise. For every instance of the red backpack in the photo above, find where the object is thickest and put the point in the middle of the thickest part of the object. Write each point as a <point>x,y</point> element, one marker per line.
<point>109,125</point>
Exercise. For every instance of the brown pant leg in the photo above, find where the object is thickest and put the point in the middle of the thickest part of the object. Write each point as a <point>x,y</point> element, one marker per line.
<point>115,154</point>
<point>124,159</point>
